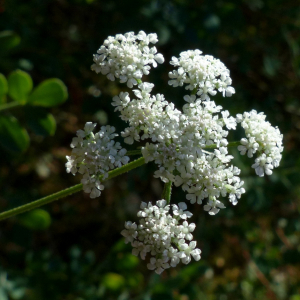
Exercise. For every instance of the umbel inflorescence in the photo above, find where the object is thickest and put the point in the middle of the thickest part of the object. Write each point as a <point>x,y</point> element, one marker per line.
<point>162,236</point>
<point>189,146</point>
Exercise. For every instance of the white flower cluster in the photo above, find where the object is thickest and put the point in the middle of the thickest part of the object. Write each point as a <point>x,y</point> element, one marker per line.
<point>202,73</point>
<point>150,115</point>
<point>93,155</point>
<point>189,145</point>
<point>161,234</point>
<point>127,57</point>
<point>263,139</point>
<point>179,143</point>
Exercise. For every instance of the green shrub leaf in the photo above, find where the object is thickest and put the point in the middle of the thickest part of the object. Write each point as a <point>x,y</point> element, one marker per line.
<point>40,121</point>
<point>38,219</point>
<point>50,92</point>
<point>19,86</point>
<point>12,136</point>
<point>43,125</point>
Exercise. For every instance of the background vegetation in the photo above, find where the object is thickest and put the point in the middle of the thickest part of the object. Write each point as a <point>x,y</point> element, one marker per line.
<point>72,249</point>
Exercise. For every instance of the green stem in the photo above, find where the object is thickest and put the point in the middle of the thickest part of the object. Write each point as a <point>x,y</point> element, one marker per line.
<point>234,144</point>
<point>126,168</point>
<point>166,194</point>
<point>194,91</point>
<point>231,144</point>
<point>9,105</point>
<point>134,152</point>
<point>69,191</point>
<point>40,202</point>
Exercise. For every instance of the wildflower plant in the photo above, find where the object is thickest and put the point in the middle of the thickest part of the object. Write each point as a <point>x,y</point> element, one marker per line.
<point>189,146</point>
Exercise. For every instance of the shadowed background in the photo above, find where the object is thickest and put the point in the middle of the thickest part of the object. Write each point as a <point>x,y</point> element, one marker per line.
<point>75,251</point>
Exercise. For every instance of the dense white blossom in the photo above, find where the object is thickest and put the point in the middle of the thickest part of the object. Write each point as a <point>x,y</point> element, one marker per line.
<point>202,73</point>
<point>189,146</point>
<point>127,57</point>
<point>261,138</point>
<point>162,236</point>
<point>93,155</point>
<point>179,139</point>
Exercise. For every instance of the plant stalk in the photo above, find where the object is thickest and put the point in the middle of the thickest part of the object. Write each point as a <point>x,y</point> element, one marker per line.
<point>134,152</point>
<point>166,194</point>
<point>69,191</point>
<point>230,145</point>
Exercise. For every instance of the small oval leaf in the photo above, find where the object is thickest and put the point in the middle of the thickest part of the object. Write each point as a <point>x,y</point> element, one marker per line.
<point>40,121</point>
<point>38,219</point>
<point>8,40</point>
<point>13,137</point>
<point>19,86</point>
<point>50,92</point>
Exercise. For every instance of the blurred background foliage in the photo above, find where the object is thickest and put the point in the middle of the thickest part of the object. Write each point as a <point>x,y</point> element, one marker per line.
<point>72,249</point>
<point>15,92</point>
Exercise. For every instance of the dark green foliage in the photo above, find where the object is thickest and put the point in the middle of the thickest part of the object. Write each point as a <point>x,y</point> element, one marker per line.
<point>250,251</point>
<point>19,89</point>
<point>12,136</point>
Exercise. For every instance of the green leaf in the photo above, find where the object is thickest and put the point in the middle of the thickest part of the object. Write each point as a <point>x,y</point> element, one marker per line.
<point>19,86</point>
<point>40,121</point>
<point>38,219</point>
<point>8,40</point>
<point>50,92</point>
<point>3,88</point>
<point>12,136</point>
<point>113,281</point>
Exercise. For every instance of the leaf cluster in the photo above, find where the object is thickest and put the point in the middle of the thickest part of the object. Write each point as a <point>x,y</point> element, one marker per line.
<point>16,91</point>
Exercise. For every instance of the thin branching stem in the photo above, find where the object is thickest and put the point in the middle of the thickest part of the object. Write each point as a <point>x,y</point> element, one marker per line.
<point>166,194</point>
<point>134,152</point>
<point>69,191</point>
<point>230,145</point>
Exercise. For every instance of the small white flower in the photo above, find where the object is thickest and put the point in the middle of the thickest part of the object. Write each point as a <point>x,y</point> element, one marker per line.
<point>180,211</point>
<point>186,230</point>
<point>159,265</point>
<point>130,232</point>
<point>189,250</point>
<point>173,255</point>
<point>213,206</point>
<point>121,101</point>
